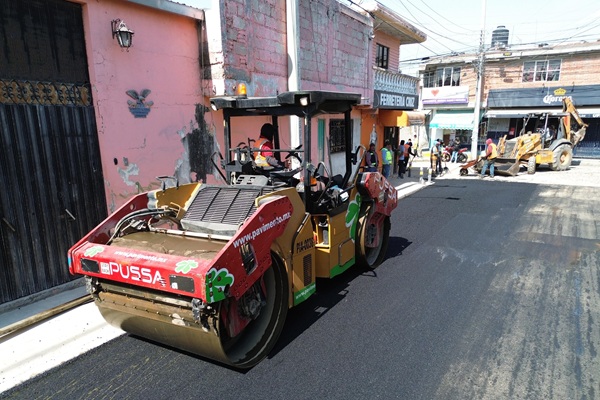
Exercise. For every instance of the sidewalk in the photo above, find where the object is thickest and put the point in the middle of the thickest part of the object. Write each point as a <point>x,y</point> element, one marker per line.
<point>30,351</point>
<point>420,169</point>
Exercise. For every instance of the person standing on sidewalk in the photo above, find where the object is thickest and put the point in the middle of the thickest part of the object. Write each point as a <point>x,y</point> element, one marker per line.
<point>435,157</point>
<point>372,159</point>
<point>491,152</point>
<point>407,153</point>
<point>401,164</point>
<point>387,158</point>
<point>440,146</point>
<point>455,150</point>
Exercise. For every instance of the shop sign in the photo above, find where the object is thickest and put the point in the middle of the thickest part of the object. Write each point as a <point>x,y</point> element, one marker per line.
<point>398,101</point>
<point>445,95</point>
<point>582,95</point>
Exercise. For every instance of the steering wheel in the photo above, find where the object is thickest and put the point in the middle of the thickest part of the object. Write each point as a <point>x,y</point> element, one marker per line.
<point>285,176</point>
<point>294,153</point>
<point>324,197</point>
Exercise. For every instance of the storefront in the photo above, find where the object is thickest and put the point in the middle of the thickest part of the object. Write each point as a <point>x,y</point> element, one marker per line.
<point>393,116</point>
<point>451,118</point>
<point>508,112</point>
<point>451,125</point>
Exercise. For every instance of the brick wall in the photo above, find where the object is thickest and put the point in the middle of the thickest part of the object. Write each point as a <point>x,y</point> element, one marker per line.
<point>577,69</point>
<point>582,69</point>
<point>334,46</point>
<point>254,45</point>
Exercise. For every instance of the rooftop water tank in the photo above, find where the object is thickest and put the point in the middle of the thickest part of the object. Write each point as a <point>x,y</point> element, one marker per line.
<point>500,37</point>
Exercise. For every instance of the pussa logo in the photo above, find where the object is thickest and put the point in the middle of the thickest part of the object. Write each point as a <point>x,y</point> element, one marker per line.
<point>132,272</point>
<point>305,245</point>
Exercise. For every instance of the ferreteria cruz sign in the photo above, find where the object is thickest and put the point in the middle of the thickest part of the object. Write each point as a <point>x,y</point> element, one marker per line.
<point>395,100</point>
<point>583,95</point>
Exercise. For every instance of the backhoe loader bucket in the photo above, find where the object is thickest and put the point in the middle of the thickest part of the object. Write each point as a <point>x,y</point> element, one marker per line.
<point>504,166</point>
<point>513,170</point>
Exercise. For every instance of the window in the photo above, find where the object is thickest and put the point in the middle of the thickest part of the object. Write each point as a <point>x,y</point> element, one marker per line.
<point>447,76</point>
<point>336,135</point>
<point>383,55</point>
<point>543,70</point>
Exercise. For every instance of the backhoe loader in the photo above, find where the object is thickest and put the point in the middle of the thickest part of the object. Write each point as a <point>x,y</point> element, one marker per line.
<point>554,148</point>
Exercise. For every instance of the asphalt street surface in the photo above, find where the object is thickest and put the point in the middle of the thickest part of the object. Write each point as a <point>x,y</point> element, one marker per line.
<point>490,290</point>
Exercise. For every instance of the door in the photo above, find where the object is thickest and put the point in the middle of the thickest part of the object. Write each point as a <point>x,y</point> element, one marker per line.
<point>52,189</point>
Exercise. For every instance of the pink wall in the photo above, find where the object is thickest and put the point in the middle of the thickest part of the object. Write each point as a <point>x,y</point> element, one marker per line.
<point>163,59</point>
<point>334,47</point>
<point>394,45</point>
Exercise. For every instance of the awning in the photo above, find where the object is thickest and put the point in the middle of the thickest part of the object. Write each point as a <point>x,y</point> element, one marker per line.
<point>521,113</point>
<point>401,118</point>
<point>524,112</point>
<point>588,112</point>
<point>452,120</point>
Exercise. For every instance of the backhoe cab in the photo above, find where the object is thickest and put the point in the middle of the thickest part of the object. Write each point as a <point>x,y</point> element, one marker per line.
<point>213,269</point>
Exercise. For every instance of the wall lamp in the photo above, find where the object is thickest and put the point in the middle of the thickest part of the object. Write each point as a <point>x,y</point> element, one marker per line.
<point>122,32</point>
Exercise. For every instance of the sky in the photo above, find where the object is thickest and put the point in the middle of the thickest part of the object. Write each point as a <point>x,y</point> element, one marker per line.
<point>456,26</point>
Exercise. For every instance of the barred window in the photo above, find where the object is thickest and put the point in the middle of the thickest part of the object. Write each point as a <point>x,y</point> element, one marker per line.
<point>336,135</point>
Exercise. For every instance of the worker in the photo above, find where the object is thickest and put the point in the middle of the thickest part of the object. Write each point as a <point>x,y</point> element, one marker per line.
<point>491,152</point>
<point>264,157</point>
<point>401,158</point>
<point>372,160</point>
<point>386,159</point>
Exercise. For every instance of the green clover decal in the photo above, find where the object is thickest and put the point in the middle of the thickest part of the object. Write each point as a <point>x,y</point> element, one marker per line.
<point>352,215</point>
<point>186,266</point>
<point>92,251</point>
<point>216,282</point>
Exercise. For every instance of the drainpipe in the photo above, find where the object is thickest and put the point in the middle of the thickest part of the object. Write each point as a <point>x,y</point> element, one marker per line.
<point>291,11</point>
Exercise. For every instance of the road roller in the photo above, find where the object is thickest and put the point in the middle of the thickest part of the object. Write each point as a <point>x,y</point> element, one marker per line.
<point>212,269</point>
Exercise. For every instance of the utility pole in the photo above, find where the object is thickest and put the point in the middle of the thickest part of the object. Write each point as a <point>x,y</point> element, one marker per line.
<point>480,67</point>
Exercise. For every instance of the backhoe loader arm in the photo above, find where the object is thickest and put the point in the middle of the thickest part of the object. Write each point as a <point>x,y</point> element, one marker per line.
<point>573,137</point>
<point>569,107</point>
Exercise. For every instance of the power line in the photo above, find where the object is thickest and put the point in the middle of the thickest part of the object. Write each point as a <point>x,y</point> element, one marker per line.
<point>436,37</point>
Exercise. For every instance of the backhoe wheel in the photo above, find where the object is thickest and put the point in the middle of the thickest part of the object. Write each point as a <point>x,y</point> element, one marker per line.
<point>531,165</point>
<point>562,157</point>
<point>372,237</point>
<point>256,341</point>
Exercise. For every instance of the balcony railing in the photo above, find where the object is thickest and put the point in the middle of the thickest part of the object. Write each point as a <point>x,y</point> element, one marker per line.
<point>393,82</point>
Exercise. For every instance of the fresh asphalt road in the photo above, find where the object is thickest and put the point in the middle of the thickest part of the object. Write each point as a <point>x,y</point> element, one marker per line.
<point>490,291</point>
